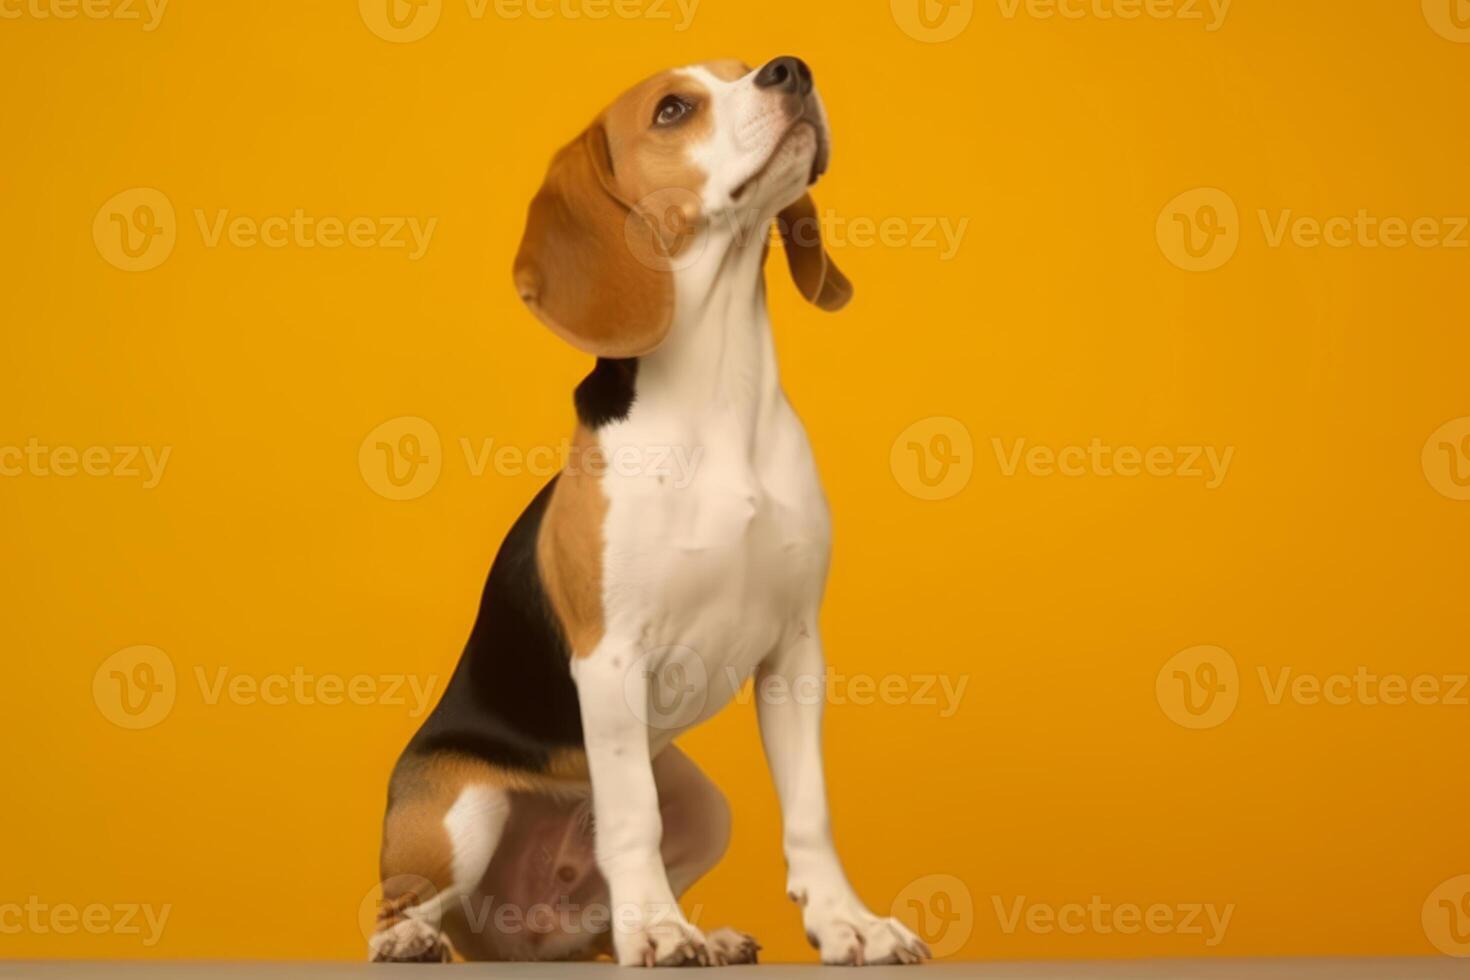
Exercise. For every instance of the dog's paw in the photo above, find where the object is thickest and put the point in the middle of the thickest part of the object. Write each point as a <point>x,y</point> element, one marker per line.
<point>867,940</point>
<point>888,942</point>
<point>410,941</point>
<point>668,942</point>
<point>728,947</point>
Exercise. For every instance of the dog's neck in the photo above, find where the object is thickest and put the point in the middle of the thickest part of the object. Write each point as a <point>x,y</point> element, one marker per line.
<point>719,354</point>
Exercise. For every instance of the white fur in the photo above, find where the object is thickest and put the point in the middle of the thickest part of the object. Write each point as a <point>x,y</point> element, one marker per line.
<point>474,824</point>
<point>724,576</point>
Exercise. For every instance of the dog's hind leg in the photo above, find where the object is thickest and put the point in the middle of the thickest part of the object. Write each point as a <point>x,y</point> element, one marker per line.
<point>445,818</point>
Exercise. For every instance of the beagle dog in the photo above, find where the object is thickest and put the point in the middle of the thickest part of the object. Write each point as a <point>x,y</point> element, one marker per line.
<point>543,811</point>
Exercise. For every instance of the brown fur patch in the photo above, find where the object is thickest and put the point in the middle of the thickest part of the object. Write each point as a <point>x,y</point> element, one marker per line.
<point>616,202</point>
<point>575,269</point>
<point>647,159</point>
<point>727,69</point>
<point>812,268</point>
<point>569,550</point>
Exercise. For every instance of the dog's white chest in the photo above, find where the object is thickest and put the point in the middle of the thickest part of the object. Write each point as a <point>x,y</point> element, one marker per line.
<point>712,561</point>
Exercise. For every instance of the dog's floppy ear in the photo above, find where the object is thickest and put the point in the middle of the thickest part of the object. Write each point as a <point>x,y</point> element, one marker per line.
<point>576,269</point>
<point>816,275</point>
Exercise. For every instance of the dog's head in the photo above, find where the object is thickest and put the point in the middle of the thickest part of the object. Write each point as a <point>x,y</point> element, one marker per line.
<point>710,151</point>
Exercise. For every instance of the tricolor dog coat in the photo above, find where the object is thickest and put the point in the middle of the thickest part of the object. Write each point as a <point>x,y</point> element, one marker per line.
<point>543,810</point>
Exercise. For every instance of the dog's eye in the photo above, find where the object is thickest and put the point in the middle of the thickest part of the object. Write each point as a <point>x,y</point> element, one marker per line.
<point>671,109</point>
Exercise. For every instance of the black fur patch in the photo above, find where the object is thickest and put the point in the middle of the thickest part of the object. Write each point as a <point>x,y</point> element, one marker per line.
<point>511,700</point>
<point>606,395</point>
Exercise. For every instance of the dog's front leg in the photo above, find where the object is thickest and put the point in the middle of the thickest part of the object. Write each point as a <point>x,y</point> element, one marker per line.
<point>837,923</point>
<point>648,927</point>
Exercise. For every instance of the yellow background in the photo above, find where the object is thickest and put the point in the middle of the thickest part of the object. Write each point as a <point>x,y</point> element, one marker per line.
<point>1060,318</point>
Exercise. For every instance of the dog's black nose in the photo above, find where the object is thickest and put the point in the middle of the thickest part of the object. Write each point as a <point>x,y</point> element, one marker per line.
<point>787,74</point>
